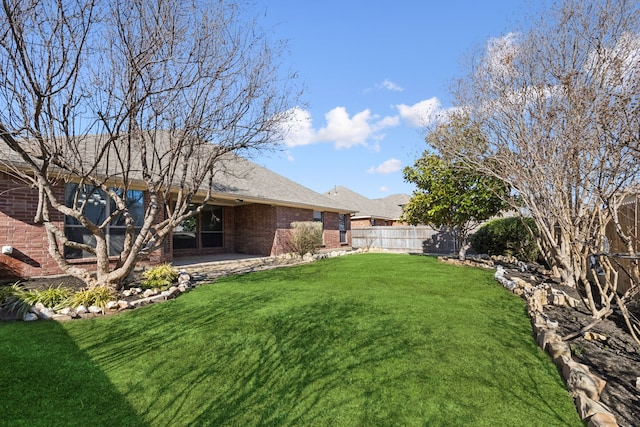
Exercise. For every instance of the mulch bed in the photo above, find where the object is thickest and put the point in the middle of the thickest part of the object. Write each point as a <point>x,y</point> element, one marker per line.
<point>615,359</point>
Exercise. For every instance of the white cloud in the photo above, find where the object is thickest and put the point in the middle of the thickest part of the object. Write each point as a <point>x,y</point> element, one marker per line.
<point>344,130</point>
<point>298,130</point>
<point>389,85</point>
<point>386,167</point>
<point>387,122</point>
<point>501,55</point>
<point>384,189</point>
<point>420,114</point>
<point>289,156</point>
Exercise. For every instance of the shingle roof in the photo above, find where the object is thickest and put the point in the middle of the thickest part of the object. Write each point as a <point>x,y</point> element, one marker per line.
<point>252,182</point>
<point>238,178</point>
<point>389,208</point>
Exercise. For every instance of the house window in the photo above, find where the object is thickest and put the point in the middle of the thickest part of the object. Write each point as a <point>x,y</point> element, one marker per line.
<point>201,231</point>
<point>317,216</point>
<point>342,226</point>
<point>211,235</point>
<point>185,234</point>
<point>98,207</point>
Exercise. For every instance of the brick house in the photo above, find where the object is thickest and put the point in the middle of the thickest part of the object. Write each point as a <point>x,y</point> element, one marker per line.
<point>370,212</point>
<point>251,213</point>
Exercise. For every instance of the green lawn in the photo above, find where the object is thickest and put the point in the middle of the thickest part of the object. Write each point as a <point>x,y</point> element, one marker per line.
<point>362,340</point>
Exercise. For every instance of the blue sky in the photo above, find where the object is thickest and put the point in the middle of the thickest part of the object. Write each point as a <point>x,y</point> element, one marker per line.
<point>370,70</point>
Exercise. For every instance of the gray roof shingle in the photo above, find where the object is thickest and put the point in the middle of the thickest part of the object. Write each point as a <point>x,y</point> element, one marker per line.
<point>388,208</point>
<point>238,178</point>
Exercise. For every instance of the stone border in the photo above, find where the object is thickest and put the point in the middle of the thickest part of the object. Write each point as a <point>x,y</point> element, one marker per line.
<point>187,278</point>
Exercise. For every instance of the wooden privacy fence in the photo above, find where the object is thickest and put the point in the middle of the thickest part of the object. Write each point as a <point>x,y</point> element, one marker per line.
<point>629,216</point>
<point>410,239</point>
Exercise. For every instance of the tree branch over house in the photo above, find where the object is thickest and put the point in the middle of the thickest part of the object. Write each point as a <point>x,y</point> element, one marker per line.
<point>118,99</point>
<point>559,106</point>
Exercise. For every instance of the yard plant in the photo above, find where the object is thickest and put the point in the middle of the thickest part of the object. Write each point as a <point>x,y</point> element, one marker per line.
<point>371,339</point>
<point>159,276</point>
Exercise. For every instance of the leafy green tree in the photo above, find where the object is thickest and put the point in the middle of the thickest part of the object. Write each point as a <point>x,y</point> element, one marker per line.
<point>452,197</point>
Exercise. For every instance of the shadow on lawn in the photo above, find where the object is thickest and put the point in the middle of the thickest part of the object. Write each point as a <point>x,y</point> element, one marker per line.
<point>254,356</point>
<point>300,366</point>
<point>47,380</point>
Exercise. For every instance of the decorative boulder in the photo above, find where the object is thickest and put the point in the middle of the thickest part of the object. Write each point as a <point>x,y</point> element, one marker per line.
<point>30,317</point>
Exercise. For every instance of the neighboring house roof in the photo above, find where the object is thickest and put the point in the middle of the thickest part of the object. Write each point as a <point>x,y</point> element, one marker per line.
<point>238,180</point>
<point>387,208</point>
<point>252,182</point>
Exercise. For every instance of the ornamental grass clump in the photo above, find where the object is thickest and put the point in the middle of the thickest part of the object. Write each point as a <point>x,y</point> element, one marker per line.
<point>98,296</point>
<point>52,297</point>
<point>160,276</point>
<point>13,299</point>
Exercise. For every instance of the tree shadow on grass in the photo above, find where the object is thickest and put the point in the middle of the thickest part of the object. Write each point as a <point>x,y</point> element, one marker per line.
<point>307,364</point>
<point>48,381</point>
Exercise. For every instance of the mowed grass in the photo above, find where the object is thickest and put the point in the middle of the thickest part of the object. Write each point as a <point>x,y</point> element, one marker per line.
<point>362,340</point>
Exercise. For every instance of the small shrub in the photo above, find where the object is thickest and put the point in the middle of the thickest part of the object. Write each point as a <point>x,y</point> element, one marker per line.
<point>160,276</point>
<point>306,237</point>
<point>52,297</point>
<point>13,298</point>
<point>507,236</point>
<point>98,296</point>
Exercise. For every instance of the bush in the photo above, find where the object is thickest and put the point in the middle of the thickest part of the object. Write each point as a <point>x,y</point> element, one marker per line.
<point>159,276</point>
<point>306,237</point>
<point>507,236</point>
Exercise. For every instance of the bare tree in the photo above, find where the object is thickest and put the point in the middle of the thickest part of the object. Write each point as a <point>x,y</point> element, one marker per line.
<point>118,97</point>
<point>558,103</point>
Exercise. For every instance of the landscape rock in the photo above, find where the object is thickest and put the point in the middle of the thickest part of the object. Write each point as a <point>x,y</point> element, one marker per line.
<point>538,300</point>
<point>150,292</point>
<point>112,305</point>
<point>184,278</point>
<point>581,381</point>
<point>81,309</point>
<point>29,317</point>
<point>123,305</point>
<point>157,298</point>
<point>172,292</point>
<point>587,407</point>
<point>68,311</point>
<point>592,336</point>
<point>94,309</point>
<point>602,419</point>
<point>42,312</point>
<point>559,349</point>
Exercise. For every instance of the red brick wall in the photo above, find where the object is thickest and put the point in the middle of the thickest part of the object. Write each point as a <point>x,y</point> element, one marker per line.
<point>252,229</point>
<point>361,222</point>
<point>30,256</point>
<point>332,231</point>
<point>255,229</point>
<point>265,230</point>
